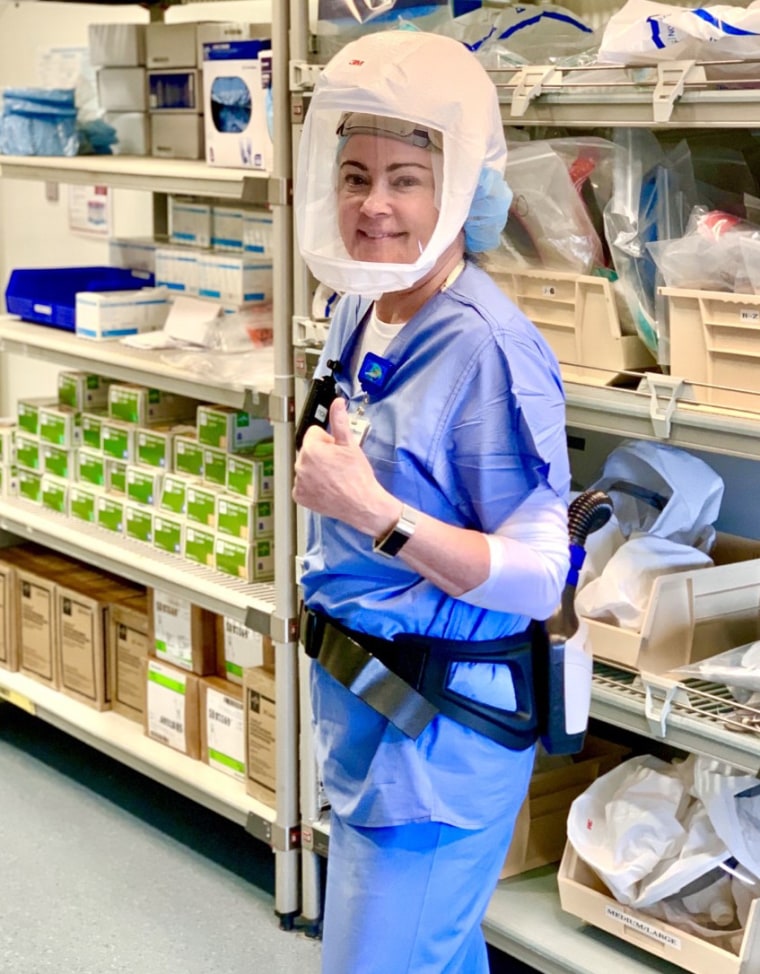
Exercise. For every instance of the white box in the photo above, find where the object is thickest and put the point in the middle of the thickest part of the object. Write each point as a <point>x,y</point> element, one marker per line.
<point>177,269</point>
<point>116,45</point>
<point>113,314</point>
<point>234,280</point>
<point>257,234</point>
<point>227,224</point>
<point>176,135</point>
<point>171,45</point>
<point>134,253</point>
<point>239,138</point>
<point>189,222</point>
<point>217,33</point>
<point>175,90</point>
<point>122,89</point>
<point>132,132</point>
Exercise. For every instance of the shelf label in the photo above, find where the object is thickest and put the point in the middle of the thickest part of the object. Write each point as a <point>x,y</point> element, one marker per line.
<point>749,314</point>
<point>17,699</point>
<point>641,926</point>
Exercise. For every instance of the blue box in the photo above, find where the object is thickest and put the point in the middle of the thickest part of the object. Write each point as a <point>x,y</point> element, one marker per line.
<point>47,296</point>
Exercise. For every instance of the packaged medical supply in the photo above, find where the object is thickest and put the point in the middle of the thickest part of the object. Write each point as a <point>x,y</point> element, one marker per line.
<point>116,45</point>
<point>189,221</point>
<point>122,89</point>
<point>39,122</point>
<point>114,314</point>
<point>132,133</point>
<point>171,45</point>
<point>176,135</point>
<point>175,90</point>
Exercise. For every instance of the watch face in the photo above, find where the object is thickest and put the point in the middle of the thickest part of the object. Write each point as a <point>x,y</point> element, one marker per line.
<point>395,540</point>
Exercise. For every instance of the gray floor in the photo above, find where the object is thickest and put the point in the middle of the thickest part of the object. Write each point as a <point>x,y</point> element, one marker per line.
<point>106,872</point>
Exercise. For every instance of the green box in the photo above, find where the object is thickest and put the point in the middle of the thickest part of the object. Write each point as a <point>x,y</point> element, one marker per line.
<point>116,475</point>
<point>138,522</point>
<point>28,451</point>
<point>245,520</point>
<point>92,422</point>
<point>154,447</point>
<point>28,412</point>
<point>82,390</point>
<point>60,426</point>
<point>59,461</point>
<point>91,467</point>
<point>30,485</point>
<point>200,507</point>
<point>214,466</point>
<point>137,404</point>
<point>119,440</point>
<point>230,429</point>
<point>144,484</point>
<point>188,456</point>
<point>82,502</point>
<point>55,494</point>
<point>252,563</point>
<point>250,474</point>
<point>168,533</point>
<point>174,494</point>
<point>109,513</point>
<point>199,545</point>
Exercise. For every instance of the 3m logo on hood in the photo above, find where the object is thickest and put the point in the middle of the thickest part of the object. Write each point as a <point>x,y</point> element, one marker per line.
<point>355,62</point>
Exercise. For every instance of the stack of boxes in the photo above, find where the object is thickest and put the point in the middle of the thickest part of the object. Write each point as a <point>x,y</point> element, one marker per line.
<point>8,469</point>
<point>194,681</point>
<point>118,53</point>
<point>175,91</point>
<point>193,480</point>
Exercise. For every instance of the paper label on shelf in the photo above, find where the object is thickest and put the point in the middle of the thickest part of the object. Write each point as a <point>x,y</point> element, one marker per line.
<point>17,699</point>
<point>641,926</point>
<point>166,706</point>
<point>226,737</point>
<point>749,314</point>
<point>173,628</point>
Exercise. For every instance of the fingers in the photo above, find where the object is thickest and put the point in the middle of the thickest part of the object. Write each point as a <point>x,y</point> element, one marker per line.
<point>339,425</point>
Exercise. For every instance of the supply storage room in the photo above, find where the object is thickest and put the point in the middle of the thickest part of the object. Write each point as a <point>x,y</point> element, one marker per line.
<point>150,609</point>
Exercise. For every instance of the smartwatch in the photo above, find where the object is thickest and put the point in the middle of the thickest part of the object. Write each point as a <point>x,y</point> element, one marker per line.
<point>391,543</point>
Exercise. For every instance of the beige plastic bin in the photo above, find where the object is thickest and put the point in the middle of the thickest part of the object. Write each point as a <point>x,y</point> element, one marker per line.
<point>583,894</point>
<point>690,615</point>
<point>577,315</point>
<point>715,343</point>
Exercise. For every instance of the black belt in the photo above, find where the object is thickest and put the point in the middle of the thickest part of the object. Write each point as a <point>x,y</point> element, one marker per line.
<point>405,679</point>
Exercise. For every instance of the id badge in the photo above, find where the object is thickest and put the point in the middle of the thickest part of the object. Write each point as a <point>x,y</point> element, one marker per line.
<point>359,427</point>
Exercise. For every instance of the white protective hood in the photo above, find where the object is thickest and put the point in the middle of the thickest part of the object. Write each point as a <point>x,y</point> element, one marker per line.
<point>427,79</point>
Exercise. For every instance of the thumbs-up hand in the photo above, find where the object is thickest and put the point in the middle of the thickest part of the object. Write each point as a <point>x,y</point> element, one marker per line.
<point>333,477</point>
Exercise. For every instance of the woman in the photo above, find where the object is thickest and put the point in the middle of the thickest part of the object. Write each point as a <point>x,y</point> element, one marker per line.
<point>438,498</point>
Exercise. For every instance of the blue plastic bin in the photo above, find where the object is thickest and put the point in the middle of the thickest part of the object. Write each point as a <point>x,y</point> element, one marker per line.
<point>47,296</point>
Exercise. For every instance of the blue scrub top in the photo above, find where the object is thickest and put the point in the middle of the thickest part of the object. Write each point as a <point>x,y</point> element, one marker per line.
<point>469,422</point>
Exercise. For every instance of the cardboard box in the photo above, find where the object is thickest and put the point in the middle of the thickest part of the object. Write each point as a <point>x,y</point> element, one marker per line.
<point>54,494</point>
<point>690,615</point>
<point>170,711</point>
<point>541,828</point>
<point>144,484</point>
<point>35,615</point>
<point>251,474</point>
<point>222,720</point>
<point>138,522</point>
<point>30,485</point>
<point>583,894</point>
<point>122,89</point>
<point>240,648</point>
<point>60,426</point>
<point>261,731</point>
<point>82,501</point>
<point>171,45</point>
<point>230,429</point>
<point>181,633</point>
<point>134,253</point>
<point>81,637</point>
<point>140,405</point>
<point>188,456</point>
<point>28,413</point>
<point>176,135</point>
<point>249,561</point>
<point>82,390</point>
<point>127,648</point>
<point>10,560</point>
<point>104,315</point>
<point>116,45</point>
<point>168,533</point>
<point>132,135</point>
<point>116,476</point>
<point>237,517</point>
<point>92,423</point>
<point>249,65</point>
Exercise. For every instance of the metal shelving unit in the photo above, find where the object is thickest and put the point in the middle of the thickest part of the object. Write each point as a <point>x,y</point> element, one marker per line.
<point>137,365</point>
<point>268,609</point>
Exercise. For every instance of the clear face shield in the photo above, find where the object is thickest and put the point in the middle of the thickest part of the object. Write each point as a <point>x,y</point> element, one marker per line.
<point>400,127</point>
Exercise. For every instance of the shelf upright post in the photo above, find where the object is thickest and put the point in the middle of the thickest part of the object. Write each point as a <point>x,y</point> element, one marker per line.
<point>286,841</point>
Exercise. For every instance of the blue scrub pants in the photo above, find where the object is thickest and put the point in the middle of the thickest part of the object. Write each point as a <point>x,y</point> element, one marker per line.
<point>410,899</point>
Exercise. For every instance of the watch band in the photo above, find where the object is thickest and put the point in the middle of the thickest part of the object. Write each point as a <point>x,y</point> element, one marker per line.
<point>392,542</point>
